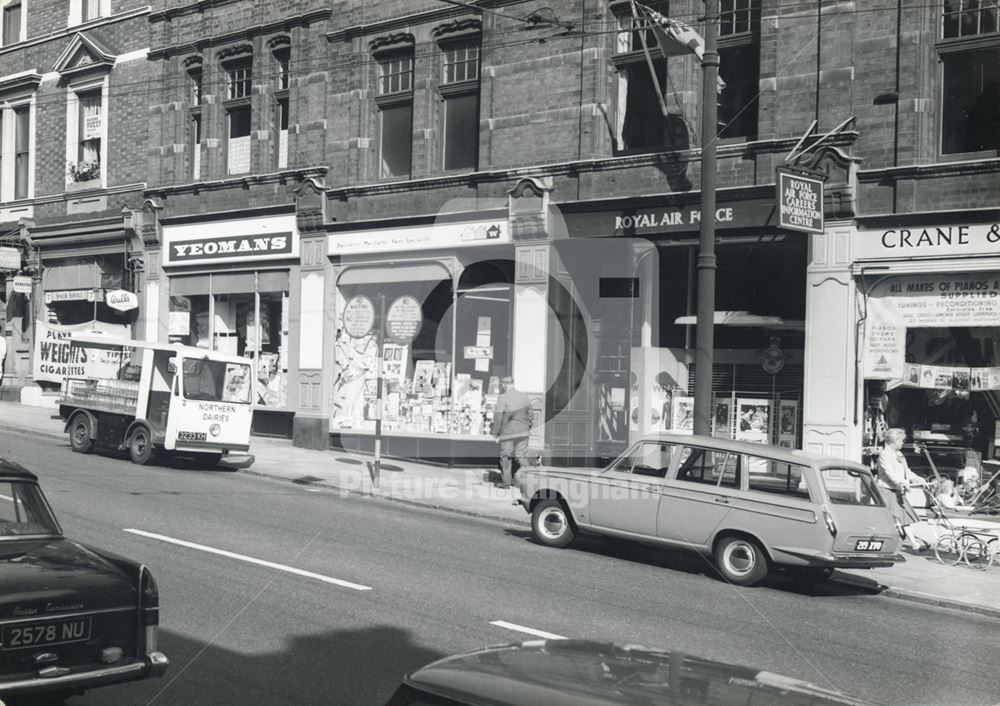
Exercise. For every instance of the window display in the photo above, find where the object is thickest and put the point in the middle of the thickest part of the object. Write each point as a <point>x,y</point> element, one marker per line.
<point>424,390</point>
<point>243,314</point>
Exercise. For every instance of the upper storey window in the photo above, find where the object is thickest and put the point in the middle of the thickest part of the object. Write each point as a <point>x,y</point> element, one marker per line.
<point>395,103</point>
<point>970,54</point>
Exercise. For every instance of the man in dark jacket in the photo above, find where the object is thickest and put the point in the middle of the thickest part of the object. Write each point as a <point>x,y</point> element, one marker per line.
<point>511,426</point>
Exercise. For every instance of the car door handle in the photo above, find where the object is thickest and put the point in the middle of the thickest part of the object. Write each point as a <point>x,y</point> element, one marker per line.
<point>725,501</point>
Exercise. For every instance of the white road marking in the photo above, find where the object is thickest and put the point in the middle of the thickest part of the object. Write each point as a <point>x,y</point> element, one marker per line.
<point>251,560</point>
<point>530,631</point>
<point>6,497</point>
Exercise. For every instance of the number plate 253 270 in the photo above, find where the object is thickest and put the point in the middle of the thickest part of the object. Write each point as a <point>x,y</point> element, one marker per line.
<point>868,545</point>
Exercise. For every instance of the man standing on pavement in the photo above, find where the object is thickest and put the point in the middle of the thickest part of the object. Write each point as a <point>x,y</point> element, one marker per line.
<point>511,426</point>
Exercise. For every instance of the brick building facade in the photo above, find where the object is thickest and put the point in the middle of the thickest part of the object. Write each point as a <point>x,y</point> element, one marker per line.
<point>355,125</point>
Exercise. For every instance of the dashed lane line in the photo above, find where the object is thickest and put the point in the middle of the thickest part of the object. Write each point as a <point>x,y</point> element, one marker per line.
<point>529,631</point>
<point>251,560</point>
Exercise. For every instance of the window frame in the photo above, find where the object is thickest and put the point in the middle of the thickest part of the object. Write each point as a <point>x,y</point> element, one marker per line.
<point>811,495</point>
<point>21,22</point>
<point>21,100</point>
<point>233,80</point>
<point>948,48</point>
<point>393,99</point>
<point>680,459</point>
<point>460,88</point>
<point>73,123</point>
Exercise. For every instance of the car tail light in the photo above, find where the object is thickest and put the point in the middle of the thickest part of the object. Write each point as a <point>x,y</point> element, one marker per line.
<point>149,598</point>
<point>830,524</point>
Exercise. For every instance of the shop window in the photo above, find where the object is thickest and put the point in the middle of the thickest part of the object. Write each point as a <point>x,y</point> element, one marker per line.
<point>395,102</point>
<point>75,289</point>
<point>460,92</point>
<point>244,314</point>
<point>12,23</point>
<point>739,67</point>
<point>970,54</point>
<point>238,148</point>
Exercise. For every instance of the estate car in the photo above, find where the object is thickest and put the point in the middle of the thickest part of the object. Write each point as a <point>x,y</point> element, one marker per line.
<point>750,506</point>
<point>71,617</point>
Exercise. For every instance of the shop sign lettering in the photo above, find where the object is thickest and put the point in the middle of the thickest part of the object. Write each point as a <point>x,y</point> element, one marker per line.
<point>661,219</point>
<point>10,258</point>
<point>902,242</point>
<point>55,357</point>
<point>22,284</point>
<point>923,301</point>
<point>800,202</point>
<point>74,295</point>
<point>121,300</point>
<point>239,247</point>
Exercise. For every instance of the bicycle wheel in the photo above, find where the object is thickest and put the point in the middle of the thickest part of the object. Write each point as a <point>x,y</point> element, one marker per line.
<point>946,550</point>
<point>978,554</point>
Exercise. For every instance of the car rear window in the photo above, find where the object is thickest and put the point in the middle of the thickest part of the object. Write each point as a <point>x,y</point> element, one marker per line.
<point>848,486</point>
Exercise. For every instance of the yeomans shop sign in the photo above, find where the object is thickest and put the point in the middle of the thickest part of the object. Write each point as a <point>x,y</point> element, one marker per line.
<point>239,240</point>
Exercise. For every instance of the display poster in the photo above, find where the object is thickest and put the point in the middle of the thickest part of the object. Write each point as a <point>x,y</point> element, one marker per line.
<point>54,357</point>
<point>753,420</point>
<point>722,418</point>
<point>355,359</point>
<point>682,415</point>
<point>423,372</point>
<point>923,301</point>
<point>394,362</point>
<point>404,319</point>
<point>788,413</point>
<point>179,323</point>
<point>359,316</point>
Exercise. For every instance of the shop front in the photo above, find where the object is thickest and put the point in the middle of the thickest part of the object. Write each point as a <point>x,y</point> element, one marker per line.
<point>229,290</point>
<point>634,268</point>
<point>929,310</point>
<point>429,304</point>
<point>87,283</point>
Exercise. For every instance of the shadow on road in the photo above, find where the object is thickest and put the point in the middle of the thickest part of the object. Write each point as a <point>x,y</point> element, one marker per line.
<point>690,562</point>
<point>351,666</point>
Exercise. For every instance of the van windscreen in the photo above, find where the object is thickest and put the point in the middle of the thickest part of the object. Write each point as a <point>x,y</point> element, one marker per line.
<point>848,486</point>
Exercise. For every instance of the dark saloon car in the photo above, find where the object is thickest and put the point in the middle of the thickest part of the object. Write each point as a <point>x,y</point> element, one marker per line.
<point>581,673</point>
<point>71,617</point>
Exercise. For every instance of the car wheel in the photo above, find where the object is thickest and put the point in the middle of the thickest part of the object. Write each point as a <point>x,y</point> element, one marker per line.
<point>741,561</point>
<point>79,435</point>
<point>140,446</point>
<point>551,524</point>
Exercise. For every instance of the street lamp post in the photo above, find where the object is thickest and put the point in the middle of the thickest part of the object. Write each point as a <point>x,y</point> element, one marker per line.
<point>705,336</point>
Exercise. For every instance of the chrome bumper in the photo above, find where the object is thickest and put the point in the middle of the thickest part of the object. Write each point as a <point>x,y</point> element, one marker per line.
<point>153,664</point>
<point>842,561</point>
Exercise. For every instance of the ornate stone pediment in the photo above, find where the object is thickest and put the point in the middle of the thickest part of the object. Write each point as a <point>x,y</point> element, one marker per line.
<point>841,172</point>
<point>83,55</point>
<point>310,206</point>
<point>391,42</point>
<point>457,29</point>
<point>528,208</point>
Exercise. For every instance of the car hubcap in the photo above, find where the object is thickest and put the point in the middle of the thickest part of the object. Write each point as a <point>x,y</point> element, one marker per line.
<point>140,444</point>
<point>552,524</point>
<point>80,432</point>
<point>740,558</point>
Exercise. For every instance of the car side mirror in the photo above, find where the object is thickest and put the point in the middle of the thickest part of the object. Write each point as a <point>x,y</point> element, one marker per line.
<point>172,365</point>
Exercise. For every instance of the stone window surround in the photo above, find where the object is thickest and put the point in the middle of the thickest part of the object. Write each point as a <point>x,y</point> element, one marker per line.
<point>17,95</point>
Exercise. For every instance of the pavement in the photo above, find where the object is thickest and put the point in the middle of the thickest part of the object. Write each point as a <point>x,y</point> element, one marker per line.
<point>921,578</point>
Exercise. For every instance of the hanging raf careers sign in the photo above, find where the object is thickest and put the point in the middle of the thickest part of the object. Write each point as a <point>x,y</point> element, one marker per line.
<point>800,202</point>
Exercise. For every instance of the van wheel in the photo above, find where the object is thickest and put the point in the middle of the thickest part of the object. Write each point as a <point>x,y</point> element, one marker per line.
<point>551,524</point>
<point>79,435</point>
<point>140,446</point>
<point>741,561</point>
